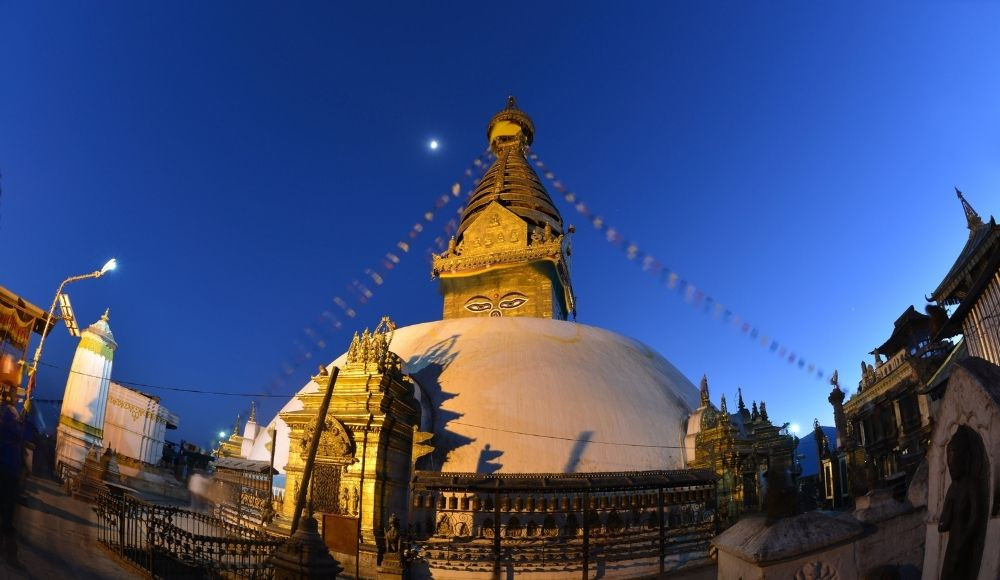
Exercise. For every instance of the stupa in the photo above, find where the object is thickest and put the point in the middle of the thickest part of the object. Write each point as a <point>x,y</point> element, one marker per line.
<point>504,436</point>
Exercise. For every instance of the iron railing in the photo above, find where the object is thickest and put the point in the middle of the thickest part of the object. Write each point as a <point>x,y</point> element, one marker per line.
<point>170,542</point>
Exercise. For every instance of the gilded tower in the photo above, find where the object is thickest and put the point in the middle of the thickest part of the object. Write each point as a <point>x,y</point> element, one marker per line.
<point>510,254</point>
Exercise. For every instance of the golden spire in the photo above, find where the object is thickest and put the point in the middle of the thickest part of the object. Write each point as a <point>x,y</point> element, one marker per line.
<point>236,425</point>
<point>971,217</point>
<point>106,316</point>
<point>253,412</point>
<point>509,251</point>
<point>511,181</point>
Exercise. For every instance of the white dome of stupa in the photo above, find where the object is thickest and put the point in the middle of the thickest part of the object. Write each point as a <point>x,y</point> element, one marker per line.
<point>535,395</point>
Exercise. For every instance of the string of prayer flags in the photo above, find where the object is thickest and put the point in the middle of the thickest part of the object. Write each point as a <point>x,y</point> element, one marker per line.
<point>690,293</point>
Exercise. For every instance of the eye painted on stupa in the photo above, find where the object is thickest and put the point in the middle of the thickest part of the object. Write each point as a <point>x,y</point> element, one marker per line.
<point>478,304</point>
<point>512,300</point>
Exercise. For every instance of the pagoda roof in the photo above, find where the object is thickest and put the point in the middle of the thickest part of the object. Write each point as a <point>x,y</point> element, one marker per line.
<point>984,238</point>
<point>909,322</point>
<point>954,324</point>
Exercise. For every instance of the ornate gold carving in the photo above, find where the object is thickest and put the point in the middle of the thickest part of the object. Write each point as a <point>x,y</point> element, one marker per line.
<point>370,352</point>
<point>325,488</point>
<point>421,447</point>
<point>334,442</point>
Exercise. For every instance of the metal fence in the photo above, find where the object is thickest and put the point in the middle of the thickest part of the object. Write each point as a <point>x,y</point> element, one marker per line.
<point>170,542</point>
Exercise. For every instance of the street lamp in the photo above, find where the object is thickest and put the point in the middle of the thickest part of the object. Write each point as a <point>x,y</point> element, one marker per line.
<point>107,267</point>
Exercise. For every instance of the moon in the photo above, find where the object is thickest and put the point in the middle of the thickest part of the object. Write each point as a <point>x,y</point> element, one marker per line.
<point>433,144</point>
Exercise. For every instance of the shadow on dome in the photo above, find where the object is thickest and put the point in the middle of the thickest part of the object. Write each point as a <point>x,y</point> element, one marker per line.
<point>487,460</point>
<point>427,368</point>
<point>576,454</point>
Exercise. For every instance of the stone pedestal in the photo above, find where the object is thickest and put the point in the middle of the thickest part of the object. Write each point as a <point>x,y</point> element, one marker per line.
<point>391,567</point>
<point>304,555</point>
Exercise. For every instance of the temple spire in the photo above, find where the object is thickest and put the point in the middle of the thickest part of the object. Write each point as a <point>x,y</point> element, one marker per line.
<point>704,391</point>
<point>107,314</point>
<point>253,412</point>
<point>236,425</point>
<point>509,256</point>
<point>971,217</point>
<point>739,405</point>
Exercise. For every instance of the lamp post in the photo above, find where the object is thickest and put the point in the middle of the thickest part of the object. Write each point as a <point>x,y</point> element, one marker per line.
<point>107,267</point>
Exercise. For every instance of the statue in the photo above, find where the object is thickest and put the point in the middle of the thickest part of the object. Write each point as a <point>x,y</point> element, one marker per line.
<point>536,237</point>
<point>548,232</point>
<point>452,247</point>
<point>392,535</point>
<point>964,515</point>
<point>345,501</point>
<point>355,501</point>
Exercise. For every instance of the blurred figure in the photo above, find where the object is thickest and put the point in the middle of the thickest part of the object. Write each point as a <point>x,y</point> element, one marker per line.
<point>11,465</point>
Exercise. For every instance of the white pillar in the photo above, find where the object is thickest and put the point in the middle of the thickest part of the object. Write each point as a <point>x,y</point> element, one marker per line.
<point>81,419</point>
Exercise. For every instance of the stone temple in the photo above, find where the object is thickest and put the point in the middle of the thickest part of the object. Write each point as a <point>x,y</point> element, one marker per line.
<point>504,437</point>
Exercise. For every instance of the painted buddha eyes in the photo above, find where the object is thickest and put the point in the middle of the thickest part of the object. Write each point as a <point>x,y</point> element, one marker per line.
<point>478,306</point>
<point>512,300</point>
<point>508,301</point>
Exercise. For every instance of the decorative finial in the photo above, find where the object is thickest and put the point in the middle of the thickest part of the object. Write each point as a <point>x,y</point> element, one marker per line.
<point>514,128</point>
<point>971,217</point>
<point>763,411</point>
<point>704,390</point>
<point>236,425</point>
<point>754,414</point>
<point>739,405</point>
<point>107,314</point>
<point>253,412</point>
<point>722,406</point>
<point>835,380</point>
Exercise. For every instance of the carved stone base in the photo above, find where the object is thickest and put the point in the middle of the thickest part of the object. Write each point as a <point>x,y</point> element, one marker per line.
<point>391,567</point>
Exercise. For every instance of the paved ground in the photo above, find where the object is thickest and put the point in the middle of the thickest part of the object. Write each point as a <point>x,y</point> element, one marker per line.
<point>703,573</point>
<point>57,538</point>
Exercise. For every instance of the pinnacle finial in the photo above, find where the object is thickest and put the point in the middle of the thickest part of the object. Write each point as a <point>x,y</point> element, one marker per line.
<point>971,217</point>
<point>739,405</point>
<point>253,412</point>
<point>236,425</point>
<point>722,406</point>
<point>704,390</point>
<point>510,127</point>
<point>107,314</point>
<point>835,380</point>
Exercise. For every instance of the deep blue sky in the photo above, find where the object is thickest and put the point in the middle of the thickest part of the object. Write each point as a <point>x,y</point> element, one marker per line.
<point>245,161</point>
